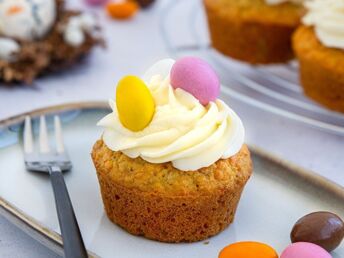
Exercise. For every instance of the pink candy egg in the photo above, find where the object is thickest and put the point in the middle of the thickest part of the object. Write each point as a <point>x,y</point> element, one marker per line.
<point>96,2</point>
<point>196,77</point>
<point>305,250</point>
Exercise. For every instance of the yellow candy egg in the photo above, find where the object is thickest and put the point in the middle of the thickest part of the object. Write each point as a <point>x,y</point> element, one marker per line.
<point>135,103</point>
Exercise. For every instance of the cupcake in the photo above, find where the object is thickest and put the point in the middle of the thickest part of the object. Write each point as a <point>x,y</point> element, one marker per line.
<point>39,36</point>
<point>172,162</point>
<point>254,31</point>
<point>319,46</point>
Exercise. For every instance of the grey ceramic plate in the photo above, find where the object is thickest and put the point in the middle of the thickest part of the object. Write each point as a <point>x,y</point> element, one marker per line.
<point>276,196</point>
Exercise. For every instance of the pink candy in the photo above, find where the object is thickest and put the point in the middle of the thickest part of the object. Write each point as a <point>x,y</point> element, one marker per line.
<point>196,77</point>
<point>96,2</point>
<point>305,250</point>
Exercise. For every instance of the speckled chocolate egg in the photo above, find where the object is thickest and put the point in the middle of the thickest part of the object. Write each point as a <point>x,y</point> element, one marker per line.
<point>321,228</point>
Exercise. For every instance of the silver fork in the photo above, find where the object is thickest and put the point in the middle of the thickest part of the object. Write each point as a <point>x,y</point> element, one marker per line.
<point>54,163</point>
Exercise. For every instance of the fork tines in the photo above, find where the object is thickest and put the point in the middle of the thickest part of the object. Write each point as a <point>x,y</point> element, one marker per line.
<point>44,159</point>
<point>43,136</point>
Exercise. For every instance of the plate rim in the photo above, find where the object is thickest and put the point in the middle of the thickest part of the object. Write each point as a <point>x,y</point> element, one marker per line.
<point>24,220</point>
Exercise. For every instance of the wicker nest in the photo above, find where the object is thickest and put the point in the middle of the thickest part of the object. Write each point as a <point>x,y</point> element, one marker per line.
<point>48,54</point>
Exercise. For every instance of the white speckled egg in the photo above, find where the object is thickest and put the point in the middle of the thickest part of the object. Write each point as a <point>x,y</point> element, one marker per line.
<point>26,19</point>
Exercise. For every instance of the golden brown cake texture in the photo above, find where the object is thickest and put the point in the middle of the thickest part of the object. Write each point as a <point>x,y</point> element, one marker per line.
<point>321,69</point>
<point>160,202</point>
<point>253,31</point>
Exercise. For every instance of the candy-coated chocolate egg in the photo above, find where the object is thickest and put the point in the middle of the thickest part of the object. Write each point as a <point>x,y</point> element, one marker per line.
<point>305,250</point>
<point>321,228</point>
<point>122,10</point>
<point>248,250</point>
<point>196,77</point>
<point>145,3</point>
<point>96,2</point>
<point>135,104</point>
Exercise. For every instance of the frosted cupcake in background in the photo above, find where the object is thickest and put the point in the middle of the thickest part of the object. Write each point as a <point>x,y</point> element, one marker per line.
<point>319,46</point>
<point>37,36</point>
<point>172,162</point>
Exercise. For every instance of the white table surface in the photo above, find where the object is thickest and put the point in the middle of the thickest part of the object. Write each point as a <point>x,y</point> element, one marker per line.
<point>133,46</point>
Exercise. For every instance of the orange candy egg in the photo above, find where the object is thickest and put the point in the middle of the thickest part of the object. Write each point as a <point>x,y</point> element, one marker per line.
<point>122,10</point>
<point>248,250</point>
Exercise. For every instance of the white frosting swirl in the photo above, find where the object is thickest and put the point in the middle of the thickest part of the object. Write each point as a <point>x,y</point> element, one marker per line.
<point>327,17</point>
<point>276,2</point>
<point>182,130</point>
<point>26,19</point>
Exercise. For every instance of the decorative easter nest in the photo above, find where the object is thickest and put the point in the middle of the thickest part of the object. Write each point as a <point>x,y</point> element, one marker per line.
<point>48,54</point>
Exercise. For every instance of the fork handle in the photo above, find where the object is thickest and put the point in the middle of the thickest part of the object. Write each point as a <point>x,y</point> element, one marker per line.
<point>73,244</point>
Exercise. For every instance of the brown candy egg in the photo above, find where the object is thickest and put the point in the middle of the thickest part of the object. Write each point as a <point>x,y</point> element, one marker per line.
<point>145,3</point>
<point>321,228</point>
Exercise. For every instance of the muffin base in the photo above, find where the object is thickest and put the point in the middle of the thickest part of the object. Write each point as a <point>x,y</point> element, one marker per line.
<point>160,214</point>
<point>168,219</point>
<point>321,69</point>
<point>251,38</point>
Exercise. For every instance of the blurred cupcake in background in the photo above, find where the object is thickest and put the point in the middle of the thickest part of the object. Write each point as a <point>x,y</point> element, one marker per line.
<point>39,36</point>
<point>254,31</point>
<point>319,46</point>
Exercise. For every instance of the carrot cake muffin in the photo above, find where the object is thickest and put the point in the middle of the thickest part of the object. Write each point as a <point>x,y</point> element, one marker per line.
<point>319,46</point>
<point>254,31</point>
<point>172,162</point>
<point>37,36</point>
